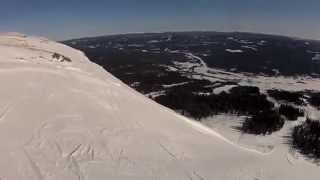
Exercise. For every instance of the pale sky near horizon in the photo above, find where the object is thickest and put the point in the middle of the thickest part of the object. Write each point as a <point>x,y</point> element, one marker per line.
<point>66,19</point>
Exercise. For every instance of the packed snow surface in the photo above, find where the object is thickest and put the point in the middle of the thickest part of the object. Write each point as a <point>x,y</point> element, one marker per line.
<point>62,120</point>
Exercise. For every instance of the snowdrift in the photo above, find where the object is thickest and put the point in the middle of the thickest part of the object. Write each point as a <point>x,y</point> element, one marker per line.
<point>65,118</point>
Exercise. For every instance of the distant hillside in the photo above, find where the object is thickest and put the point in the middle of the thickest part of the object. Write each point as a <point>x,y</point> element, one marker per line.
<point>241,52</point>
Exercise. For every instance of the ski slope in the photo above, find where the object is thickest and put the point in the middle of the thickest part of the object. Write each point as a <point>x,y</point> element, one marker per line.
<point>62,120</point>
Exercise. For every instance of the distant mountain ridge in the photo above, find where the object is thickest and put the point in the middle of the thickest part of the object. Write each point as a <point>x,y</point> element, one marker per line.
<point>190,32</point>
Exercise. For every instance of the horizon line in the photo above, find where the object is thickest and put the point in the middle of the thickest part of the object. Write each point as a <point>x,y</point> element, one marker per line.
<point>188,31</point>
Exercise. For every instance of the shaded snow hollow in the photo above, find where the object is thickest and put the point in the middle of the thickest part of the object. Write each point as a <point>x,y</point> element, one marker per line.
<point>62,120</point>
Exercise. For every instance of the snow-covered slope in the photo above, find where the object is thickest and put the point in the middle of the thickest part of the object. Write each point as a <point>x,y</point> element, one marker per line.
<point>62,120</point>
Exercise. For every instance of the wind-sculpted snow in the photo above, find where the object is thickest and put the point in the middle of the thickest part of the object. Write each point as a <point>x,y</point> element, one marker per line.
<point>71,120</point>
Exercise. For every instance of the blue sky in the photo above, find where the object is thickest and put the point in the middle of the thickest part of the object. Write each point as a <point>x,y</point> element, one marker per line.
<point>65,19</point>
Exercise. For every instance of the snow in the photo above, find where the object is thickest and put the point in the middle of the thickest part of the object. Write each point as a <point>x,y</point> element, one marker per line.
<point>316,57</point>
<point>153,41</point>
<point>144,50</point>
<point>135,45</point>
<point>75,121</point>
<point>184,65</point>
<point>245,42</point>
<point>276,71</point>
<point>223,89</point>
<point>174,85</point>
<point>271,145</point>
<point>202,71</point>
<point>169,68</point>
<point>250,47</point>
<point>262,42</point>
<point>155,94</point>
<point>135,84</point>
<point>234,50</point>
<point>225,125</point>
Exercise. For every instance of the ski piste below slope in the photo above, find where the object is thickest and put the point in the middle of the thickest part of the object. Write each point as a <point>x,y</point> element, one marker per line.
<point>62,120</point>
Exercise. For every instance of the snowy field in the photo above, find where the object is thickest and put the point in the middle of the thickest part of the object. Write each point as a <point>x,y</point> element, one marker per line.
<point>200,70</point>
<point>72,120</point>
<point>226,123</point>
